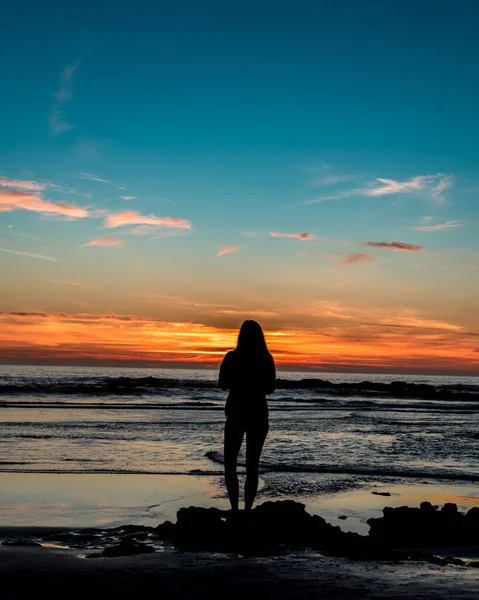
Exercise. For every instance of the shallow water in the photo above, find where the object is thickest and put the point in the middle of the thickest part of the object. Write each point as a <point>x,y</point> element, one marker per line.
<point>78,420</point>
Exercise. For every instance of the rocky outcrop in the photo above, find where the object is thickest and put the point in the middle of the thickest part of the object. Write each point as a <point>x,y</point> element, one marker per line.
<point>275,527</point>
<point>406,527</point>
<point>20,542</point>
<point>128,546</point>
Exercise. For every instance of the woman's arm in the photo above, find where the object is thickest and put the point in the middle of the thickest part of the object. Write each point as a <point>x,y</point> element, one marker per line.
<point>224,380</point>
<point>270,377</point>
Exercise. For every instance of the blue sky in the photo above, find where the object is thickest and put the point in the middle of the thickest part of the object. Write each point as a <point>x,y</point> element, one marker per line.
<point>353,121</point>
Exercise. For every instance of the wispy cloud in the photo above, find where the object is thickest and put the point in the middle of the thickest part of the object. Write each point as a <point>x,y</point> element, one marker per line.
<point>432,186</point>
<point>27,186</point>
<point>72,283</point>
<point>92,177</point>
<point>31,254</point>
<point>128,197</point>
<point>107,241</point>
<point>357,258</point>
<point>390,186</point>
<point>327,180</point>
<point>26,235</point>
<point>252,234</point>
<point>14,199</point>
<point>155,231</point>
<point>57,121</point>
<point>395,246</point>
<point>227,250</point>
<point>299,236</point>
<point>439,227</point>
<point>338,196</point>
<point>132,217</point>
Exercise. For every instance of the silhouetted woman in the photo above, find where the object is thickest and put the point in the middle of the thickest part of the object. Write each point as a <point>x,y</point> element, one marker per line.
<point>248,372</point>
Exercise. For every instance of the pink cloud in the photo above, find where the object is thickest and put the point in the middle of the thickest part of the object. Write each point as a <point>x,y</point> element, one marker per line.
<point>439,227</point>
<point>29,186</point>
<point>395,246</point>
<point>299,236</point>
<point>107,241</point>
<point>357,258</point>
<point>132,217</point>
<point>227,250</point>
<point>14,200</point>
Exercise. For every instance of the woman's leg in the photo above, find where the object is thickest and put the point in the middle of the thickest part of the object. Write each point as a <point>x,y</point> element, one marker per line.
<point>255,437</point>
<point>234,433</point>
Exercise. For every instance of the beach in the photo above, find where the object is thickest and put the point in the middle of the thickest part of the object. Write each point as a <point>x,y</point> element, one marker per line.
<point>54,570</point>
<point>106,448</point>
<point>53,573</point>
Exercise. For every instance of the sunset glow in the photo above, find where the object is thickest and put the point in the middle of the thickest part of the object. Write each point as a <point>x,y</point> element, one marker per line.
<point>84,339</point>
<point>164,178</point>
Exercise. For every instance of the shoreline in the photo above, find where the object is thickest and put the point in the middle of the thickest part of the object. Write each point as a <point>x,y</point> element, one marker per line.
<point>52,571</point>
<point>99,500</point>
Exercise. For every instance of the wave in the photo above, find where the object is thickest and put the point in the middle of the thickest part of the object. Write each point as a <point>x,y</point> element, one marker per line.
<point>215,457</point>
<point>138,386</point>
<point>350,410</point>
<point>406,472</point>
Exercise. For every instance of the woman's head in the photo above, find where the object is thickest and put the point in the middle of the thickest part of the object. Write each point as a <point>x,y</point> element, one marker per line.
<point>251,338</point>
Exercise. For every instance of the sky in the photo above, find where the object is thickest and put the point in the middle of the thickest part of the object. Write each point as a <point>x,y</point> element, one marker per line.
<point>168,170</point>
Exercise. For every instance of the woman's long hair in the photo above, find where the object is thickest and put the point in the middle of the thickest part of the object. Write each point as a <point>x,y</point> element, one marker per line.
<point>251,343</point>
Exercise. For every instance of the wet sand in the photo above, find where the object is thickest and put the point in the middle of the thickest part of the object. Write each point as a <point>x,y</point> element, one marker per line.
<point>52,573</point>
<point>33,504</point>
<point>103,500</point>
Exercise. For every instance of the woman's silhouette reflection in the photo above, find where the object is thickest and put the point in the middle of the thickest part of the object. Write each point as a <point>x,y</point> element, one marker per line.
<point>248,372</point>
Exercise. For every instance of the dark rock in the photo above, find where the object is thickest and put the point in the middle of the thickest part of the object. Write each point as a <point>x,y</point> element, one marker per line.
<point>79,538</point>
<point>411,527</point>
<point>128,546</point>
<point>165,531</point>
<point>455,561</point>
<point>449,508</point>
<point>343,517</point>
<point>21,542</point>
<point>132,529</point>
<point>472,515</point>
<point>381,493</point>
<point>427,507</point>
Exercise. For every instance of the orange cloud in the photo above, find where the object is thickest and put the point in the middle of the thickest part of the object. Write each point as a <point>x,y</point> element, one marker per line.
<point>132,217</point>
<point>227,250</point>
<point>108,241</point>
<point>362,343</point>
<point>396,246</point>
<point>357,258</point>
<point>14,200</point>
<point>128,197</point>
<point>299,236</point>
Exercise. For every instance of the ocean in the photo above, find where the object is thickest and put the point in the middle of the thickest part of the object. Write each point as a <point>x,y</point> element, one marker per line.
<point>328,431</point>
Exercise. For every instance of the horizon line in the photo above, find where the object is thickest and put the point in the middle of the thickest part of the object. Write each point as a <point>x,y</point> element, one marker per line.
<point>281,367</point>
